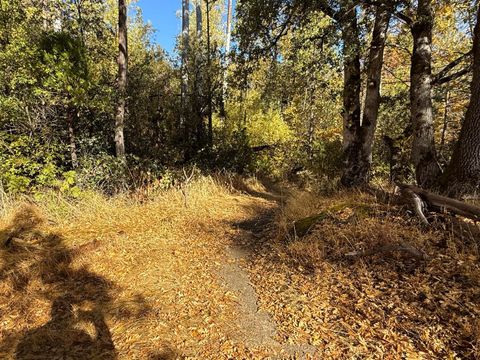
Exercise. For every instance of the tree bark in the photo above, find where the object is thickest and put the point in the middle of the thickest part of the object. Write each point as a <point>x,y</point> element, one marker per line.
<point>71,136</point>
<point>445,119</point>
<point>184,68</point>
<point>463,172</point>
<point>359,135</point>
<point>209,78</point>
<point>374,78</point>
<point>199,81</point>
<point>227,47</point>
<point>122,78</point>
<point>424,155</point>
<point>352,175</point>
<point>442,204</point>
<point>45,15</point>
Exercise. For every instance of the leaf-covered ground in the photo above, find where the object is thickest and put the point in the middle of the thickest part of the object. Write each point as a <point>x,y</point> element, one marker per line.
<point>387,305</point>
<point>132,278</point>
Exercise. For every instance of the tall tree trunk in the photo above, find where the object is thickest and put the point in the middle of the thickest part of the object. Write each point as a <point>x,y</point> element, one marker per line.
<point>45,15</point>
<point>359,134</point>
<point>227,47</point>
<point>351,97</point>
<point>209,78</point>
<point>463,172</point>
<point>122,78</point>
<point>184,70</point>
<point>445,119</point>
<point>374,78</point>
<point>424,155</point>
<point>199,80</point>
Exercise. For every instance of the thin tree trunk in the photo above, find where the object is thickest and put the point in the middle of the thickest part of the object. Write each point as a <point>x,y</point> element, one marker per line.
<point>309,97</point>
<point>374,78</point>
<point>463,173</point>
<point>358,135</point>
<point>445,119</point>
<point>71,135</point>
<point>45,15</point>
<point>227,47</point>
<point>78,4</point>
<point>209,78</point>
<point>184,70</point>
<point>199,98</point>
<point>424,155</point>
<point>122,78</point>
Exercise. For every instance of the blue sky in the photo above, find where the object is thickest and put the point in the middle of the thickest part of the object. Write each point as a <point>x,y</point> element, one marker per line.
<point>163,16</point>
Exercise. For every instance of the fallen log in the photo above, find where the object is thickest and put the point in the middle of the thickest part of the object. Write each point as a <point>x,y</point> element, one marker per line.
<point>303,226</point>
<point>438,203</point>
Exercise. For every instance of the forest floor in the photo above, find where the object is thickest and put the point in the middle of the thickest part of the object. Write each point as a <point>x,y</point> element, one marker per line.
<point>211,271</point>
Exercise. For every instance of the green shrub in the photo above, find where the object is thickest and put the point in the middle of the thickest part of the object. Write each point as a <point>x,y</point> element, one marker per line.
<point>29,165</point>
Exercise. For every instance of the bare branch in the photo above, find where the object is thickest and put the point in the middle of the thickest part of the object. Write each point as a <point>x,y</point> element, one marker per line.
<point>442,77</point>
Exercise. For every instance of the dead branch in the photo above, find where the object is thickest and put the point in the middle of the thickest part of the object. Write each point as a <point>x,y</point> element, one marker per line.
<point>441,204</point>
<point>417,204</point>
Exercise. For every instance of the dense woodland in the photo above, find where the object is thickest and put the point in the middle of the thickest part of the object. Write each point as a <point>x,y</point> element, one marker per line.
<point>356,90</point>
<point>298,179</point>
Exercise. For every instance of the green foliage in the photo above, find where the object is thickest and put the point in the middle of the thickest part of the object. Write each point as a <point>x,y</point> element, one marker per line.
<point>28,165</point>
<point>111,175</point>
<point>58,88</point>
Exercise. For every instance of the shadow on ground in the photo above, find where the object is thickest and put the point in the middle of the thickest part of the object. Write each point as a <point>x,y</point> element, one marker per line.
<point>36,268</point>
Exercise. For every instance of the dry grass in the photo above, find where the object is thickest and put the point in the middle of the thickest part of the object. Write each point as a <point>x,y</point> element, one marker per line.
<point>135,277</point>
<point>105,278</point>
<point>382,306</point>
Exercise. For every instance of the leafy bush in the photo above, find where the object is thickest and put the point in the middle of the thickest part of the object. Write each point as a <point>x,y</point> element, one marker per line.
<point>111,175</point>
<point>29,165</point>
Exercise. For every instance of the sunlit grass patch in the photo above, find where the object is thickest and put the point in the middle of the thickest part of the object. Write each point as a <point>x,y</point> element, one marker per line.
<point>119,276</point>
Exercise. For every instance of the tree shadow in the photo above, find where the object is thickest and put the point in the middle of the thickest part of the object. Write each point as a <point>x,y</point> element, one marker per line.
<point>78,297</point>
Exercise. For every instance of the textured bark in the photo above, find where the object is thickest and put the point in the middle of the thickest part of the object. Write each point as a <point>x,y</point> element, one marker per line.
<point>463,173</point>
<point>45,15</point>
<point>424,155</point>
<point>374,77</point>
<point>184,69</point>
<point>442,204</point>
<point>352,144</point>
<point>445,119</point>
<point>359,135</point>
<point>122,78</point>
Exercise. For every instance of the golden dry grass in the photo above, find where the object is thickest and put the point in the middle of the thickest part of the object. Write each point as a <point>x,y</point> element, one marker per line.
<point>136,277</point>
<point>107,278</point>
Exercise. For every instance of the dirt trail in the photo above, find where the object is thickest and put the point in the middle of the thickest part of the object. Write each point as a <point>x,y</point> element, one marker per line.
<point>259,328</point>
